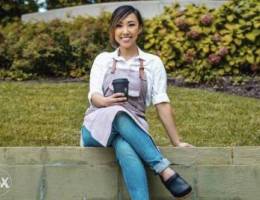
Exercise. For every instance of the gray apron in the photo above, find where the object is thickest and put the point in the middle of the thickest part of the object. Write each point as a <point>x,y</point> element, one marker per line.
<point>99,120</point>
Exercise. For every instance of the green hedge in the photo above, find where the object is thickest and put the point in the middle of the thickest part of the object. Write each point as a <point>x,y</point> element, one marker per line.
<point>55,49</point>
<point>197,44</point>
<point>200,44</point>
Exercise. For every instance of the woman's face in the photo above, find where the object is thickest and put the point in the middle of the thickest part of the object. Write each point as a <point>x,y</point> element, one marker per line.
<point>127,31</point>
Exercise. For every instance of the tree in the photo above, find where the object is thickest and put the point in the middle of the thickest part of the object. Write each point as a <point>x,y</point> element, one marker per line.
<point>11,10</point>
<point>53,4</point>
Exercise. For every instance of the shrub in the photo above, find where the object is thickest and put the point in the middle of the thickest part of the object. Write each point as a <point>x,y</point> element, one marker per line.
<point>200,44</point>
<point>55,49</point>
<point>88,36</point>
<point>4,61</point>
<point>196,44</point>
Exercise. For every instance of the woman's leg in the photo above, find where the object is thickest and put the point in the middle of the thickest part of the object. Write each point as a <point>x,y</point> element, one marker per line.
<point>142,143</point>
<point>132,167</point>
<point>144,146</point>
<point>133,170</point>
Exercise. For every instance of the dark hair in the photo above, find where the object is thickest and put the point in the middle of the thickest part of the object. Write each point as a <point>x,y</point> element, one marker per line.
<point>119,14</point>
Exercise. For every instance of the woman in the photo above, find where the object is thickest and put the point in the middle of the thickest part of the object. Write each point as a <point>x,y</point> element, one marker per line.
<point>119,121</point>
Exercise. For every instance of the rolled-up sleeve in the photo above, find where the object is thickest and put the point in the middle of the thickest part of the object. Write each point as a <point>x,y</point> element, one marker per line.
<point>159,85</point>
<point>97,73</point>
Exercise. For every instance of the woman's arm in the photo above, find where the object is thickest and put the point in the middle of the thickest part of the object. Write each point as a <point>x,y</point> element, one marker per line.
<point>100,101</point>
<point>164,111</point>
<point>97,74</point>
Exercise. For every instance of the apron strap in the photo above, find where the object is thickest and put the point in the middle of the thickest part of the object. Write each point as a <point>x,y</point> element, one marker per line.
<point>113,66</point>
<point>141,69</point>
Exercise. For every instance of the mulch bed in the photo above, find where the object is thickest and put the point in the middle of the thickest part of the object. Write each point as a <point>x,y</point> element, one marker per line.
<point>248,89</point>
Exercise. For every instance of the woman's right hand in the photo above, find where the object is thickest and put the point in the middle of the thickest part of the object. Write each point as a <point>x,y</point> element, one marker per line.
<point>114,99</point>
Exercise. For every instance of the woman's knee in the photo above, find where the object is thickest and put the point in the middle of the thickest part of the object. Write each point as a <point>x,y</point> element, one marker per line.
<point>122,119</point>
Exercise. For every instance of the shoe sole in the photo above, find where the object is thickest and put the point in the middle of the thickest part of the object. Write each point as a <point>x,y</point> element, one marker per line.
<point>184,197</point>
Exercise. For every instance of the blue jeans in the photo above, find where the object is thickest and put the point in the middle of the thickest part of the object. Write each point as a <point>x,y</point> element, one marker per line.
<point>133,148</point>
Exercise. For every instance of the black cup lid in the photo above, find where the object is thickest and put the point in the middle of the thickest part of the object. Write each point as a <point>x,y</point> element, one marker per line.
<point>121,80</point>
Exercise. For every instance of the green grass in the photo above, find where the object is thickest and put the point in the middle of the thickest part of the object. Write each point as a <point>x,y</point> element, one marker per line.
<point>37,114</point>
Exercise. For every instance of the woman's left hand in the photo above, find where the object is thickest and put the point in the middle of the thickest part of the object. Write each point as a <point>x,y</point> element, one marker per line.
<point>184,144</point>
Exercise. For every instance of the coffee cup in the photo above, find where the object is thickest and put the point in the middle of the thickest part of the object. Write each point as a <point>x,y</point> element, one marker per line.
<point>121,85</point>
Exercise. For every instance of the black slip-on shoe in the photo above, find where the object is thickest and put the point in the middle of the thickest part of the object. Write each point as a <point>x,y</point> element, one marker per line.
<point>177,186</point>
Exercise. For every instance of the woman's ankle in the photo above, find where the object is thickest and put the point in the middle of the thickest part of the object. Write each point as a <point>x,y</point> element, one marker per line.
<point>167,173</point>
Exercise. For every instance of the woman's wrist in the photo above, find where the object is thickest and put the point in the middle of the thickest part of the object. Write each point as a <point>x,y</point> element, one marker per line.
<point>175,138</point>
<point>99,100</point>
<point>103,102</point>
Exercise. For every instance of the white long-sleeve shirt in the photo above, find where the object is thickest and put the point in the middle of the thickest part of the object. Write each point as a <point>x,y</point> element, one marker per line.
<point>153,67</point>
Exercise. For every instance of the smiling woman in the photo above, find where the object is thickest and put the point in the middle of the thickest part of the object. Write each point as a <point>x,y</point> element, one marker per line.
<point>126,32</point>
<point>118,120</point>
<point>125,29</point>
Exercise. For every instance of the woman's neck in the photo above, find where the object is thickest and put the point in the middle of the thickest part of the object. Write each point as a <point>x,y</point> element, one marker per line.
<point>128,53</point>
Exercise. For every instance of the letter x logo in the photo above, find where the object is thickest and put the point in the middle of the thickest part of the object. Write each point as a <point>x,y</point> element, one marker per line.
<point>4,183</point>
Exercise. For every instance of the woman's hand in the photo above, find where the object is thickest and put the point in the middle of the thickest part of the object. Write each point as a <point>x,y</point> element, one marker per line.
<point>114,99</point>
<point>184,144</point>
<point>100,101</point>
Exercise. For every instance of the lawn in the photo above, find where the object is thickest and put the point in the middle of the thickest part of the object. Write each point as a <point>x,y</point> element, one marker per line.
<point>49,113</point>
